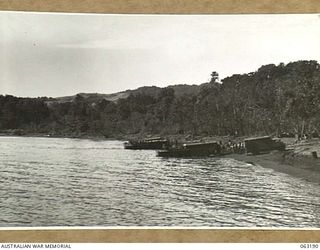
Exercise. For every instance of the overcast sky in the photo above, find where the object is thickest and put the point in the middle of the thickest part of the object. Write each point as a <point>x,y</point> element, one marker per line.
<point>64,54</point>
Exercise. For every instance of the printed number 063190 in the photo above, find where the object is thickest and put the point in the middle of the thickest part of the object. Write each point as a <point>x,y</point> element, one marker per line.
<point>309,246</point>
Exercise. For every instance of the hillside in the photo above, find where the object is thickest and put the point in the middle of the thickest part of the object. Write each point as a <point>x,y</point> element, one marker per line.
<point>179,90</point>
<point>90,97</point>
<point>274,99</point>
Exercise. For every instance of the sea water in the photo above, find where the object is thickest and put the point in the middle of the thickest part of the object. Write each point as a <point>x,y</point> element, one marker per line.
<point>77,182</point>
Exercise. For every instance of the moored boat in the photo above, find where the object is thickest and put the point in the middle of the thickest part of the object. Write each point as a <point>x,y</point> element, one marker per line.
<point>149,143</point>
<point>192,150</point>
<point>263,144</point>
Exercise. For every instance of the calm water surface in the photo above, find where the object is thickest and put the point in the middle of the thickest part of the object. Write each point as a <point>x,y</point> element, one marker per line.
<point>73,182</point>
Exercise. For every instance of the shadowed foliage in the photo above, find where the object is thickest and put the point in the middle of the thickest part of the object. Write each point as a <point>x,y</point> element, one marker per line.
<point>274,99</point>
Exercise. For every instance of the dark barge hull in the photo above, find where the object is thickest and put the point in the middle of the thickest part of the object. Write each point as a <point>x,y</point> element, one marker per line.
<point>185,153</point>
<point>147,144</point>
<point>263,144</point>
<point>193,150</point>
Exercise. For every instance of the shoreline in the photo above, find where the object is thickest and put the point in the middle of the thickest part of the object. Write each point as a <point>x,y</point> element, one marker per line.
<point>296,161</point>
<point>303,167</point>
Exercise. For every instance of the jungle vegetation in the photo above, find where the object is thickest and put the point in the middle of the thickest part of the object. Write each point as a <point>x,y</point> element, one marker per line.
<point>272,100</point>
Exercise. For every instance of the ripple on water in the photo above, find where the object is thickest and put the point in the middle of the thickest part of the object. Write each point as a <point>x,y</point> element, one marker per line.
<point>68,182</point>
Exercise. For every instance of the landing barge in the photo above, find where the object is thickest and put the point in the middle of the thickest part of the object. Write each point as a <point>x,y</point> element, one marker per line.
<point>192,150</point>
<point>263,144</point>
<point>150,143</point>
<point>257,145</point>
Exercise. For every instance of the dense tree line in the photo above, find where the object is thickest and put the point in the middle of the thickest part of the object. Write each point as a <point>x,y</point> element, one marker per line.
<point>274,99</point>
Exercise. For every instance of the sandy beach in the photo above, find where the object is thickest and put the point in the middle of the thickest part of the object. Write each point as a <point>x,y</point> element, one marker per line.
<point>297,160</point>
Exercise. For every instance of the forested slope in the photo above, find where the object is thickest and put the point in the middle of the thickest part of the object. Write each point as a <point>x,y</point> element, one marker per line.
<point>274,99</point>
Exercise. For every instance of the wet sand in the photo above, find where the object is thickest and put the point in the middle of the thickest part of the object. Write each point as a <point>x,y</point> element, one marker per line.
<point>297,165</point>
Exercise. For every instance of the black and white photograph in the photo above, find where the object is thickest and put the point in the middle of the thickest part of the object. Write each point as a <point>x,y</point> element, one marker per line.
<point>159,121</point>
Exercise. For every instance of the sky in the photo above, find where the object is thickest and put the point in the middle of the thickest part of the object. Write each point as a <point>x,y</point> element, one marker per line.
<point>51,54</point>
